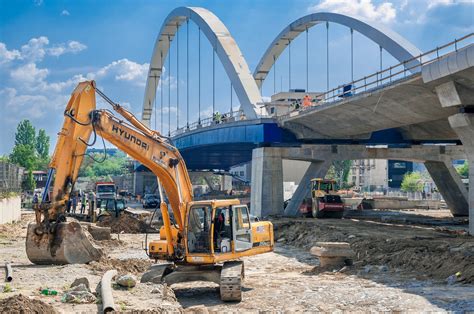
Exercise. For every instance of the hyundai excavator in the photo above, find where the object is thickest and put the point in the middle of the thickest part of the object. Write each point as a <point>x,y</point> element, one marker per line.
<point>199,240</point>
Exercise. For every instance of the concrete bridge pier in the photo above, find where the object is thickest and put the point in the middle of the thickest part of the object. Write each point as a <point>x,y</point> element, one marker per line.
<point>450,185</point>
<point>317,169</point>
<point>267,182</point>
<point>456,94</point>
<point>463,125</point>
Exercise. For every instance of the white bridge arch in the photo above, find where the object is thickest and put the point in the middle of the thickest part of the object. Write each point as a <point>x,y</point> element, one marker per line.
<point>400,48</point>
<point>226,49</point>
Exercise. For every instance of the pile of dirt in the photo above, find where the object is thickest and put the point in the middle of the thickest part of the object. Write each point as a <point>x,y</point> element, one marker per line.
<point>16,229</point>
<point>23,304</point>
<point>433,255</point>
<point>132,265</point>
<point>125,223</point>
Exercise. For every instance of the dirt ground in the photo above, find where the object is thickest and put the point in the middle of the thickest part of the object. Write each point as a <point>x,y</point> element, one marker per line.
<point>398,267</point>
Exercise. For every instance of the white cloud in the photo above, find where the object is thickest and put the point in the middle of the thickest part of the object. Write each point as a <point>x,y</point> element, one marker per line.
<point>8,55</point>
<point>384,12</point>
<point>123,70</point>
<point>437,3</point>
<point>65,13</point>
<point>28,74</point>
<point>71,47</point>
<point>37,48</point>
<point>34,50</point>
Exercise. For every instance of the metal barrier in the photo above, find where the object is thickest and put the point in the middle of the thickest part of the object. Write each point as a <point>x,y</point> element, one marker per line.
<point>389,75</point>
<point>224,118</point>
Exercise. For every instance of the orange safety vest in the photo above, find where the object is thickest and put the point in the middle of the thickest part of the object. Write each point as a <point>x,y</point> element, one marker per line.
<point>306,101</point>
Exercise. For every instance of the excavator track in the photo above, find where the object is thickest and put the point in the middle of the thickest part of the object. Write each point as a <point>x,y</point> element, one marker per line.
<point>232,275</point>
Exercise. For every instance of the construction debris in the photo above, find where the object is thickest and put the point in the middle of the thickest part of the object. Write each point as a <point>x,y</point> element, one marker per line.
<point>78,294</point>
<point>108,304</point>
<point>127,281</point>
<point>332,254</point>
<point>9,272</point>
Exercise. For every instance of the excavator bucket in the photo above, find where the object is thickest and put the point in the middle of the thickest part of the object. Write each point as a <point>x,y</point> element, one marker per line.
<point>69,244</point>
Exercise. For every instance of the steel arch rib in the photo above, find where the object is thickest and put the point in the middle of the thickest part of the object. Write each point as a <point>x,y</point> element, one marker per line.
<point>400,48</point>
<point>226,49</point>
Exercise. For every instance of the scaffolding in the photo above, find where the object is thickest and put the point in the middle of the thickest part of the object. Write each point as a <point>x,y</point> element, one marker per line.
<point>11,177</point>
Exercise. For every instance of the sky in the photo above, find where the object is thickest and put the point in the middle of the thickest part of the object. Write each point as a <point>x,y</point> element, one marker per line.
<point>47,47</point>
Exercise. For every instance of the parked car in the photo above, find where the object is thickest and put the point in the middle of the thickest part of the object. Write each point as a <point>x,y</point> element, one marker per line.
<point>151,201</point>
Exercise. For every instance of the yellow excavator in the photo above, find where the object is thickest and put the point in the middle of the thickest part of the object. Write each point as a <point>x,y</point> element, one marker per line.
<point>203,240</point>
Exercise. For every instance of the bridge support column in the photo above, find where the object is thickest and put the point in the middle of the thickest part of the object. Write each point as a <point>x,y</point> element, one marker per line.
<point>450,186</point>
<point>463,125</point>
<point>317,169</point>
<point>267,182</point>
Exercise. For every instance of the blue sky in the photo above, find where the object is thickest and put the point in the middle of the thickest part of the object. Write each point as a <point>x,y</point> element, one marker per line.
<point>47,47</point>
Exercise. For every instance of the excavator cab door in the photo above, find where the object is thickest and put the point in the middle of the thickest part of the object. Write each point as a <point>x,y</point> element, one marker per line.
<point>241,228</point>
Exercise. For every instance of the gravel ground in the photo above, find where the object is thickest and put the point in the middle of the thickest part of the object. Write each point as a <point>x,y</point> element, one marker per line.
<point>284,280</point>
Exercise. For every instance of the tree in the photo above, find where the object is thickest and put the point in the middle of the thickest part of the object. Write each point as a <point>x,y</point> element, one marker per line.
<point>42,144</point>
<point>24,156</point>
<point>25,134</point>
<point>463,170</point>
<point>113,165</point>
<point>29,183</point>
<point>412,182</point>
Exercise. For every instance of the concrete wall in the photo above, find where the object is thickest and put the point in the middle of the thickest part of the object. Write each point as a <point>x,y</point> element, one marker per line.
<point>10,209</point>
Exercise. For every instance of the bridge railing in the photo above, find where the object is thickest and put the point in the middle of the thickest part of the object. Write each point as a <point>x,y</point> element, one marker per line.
<point>391,74</point>
<point>214,120</point>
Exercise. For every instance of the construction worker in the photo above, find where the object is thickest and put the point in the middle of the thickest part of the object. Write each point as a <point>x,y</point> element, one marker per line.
<point>74,203</point>
<point>92,201</point>
<point>83,202</point>
<point>307,101</point>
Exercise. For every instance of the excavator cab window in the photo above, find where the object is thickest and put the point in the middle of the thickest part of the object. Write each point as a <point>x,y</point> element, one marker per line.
<point>199,226</point>
<point>241,228</point>
<point>222,230</point>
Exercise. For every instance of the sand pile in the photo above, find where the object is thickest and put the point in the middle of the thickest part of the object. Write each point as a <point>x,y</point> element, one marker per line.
<point>23,304</point>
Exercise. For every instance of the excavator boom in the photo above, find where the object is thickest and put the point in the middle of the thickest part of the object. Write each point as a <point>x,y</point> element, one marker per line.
<point>51,239</point>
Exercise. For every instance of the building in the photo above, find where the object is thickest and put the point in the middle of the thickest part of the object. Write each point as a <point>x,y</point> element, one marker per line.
<point>379,174</point>
<point>40,178</point>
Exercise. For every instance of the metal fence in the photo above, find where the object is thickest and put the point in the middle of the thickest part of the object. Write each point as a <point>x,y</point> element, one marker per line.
<point>11,177</point>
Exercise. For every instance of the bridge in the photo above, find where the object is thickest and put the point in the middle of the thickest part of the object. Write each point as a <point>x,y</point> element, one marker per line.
<point>421,108</point>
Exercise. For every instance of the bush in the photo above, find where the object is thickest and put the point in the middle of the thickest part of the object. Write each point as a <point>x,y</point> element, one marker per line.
<point>412,182</point>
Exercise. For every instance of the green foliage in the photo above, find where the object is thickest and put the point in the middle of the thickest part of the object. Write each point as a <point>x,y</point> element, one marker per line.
<point>29,183</point>
<point>30,151</point>
<point>7,288</point>
<point>339,171</point>
<point>25,134</point>
<point>113,165</point>
<point>24,155</point>
<point>42,144</point>
<point>412,182</point>
<point>5,158</point>
<point>463,170</point>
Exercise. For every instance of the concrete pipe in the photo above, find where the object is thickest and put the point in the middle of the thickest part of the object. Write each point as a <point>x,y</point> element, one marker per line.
<point>8,266</point>
<point>106,291</point>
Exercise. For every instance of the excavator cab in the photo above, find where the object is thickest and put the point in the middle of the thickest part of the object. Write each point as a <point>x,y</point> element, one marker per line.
<point>216,230</point>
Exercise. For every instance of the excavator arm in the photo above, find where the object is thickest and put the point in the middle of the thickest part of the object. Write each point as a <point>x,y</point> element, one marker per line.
<point>82,120</point>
